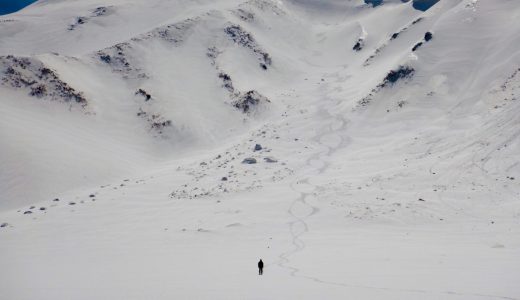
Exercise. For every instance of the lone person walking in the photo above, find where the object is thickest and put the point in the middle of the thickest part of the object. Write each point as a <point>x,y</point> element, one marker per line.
<point>260,267</point>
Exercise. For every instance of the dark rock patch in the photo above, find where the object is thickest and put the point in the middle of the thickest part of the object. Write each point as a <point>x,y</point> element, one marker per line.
<point>100,11</point>
<point>428,36</point>
<point>97,12</point>
<point>212,54</point>
<point>270,160</point>
<point>227,82</point>
<point>248,101</point>
<point>105,58</point>
<point>117,58</point>
<point>249,161</point>
<point>359,45</point>
<point>240,36</point>
<point>40,82</point>
<point>244,15</point>
<point>156,121</point>
<point>79,21</point>
<point>417,46</point>
<point>401,104</point>
<point>417,21</point>
<point>143,93</point>
<point>394,75</point>
<point>391,78</point>
<point>159,125</point>
<point>396,34</point>
<point>243,38</point>
<point>174,33</point>
<point>38,91</point>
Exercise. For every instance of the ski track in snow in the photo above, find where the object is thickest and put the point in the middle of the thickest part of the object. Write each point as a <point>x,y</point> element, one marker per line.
<point>302,186</point>
<point>174,104</point>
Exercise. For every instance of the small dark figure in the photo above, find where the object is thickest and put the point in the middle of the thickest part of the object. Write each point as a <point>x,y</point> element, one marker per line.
<point>260,267</point>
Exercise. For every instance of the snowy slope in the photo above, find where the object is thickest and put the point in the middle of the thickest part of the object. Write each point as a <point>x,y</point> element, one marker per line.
<point>388,165</point>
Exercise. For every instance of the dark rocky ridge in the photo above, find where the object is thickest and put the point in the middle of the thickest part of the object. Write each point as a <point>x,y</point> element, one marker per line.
<point>402,72</point>
<point>243,38</point>
<point>37,80</point>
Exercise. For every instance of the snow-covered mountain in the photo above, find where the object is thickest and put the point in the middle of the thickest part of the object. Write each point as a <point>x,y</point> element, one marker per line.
<point>157,149</point>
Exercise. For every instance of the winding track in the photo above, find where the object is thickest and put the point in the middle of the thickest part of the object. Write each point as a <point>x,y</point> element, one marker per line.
<point>317,164</point>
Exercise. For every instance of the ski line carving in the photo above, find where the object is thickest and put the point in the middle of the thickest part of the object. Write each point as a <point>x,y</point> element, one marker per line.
<point>298,227</point>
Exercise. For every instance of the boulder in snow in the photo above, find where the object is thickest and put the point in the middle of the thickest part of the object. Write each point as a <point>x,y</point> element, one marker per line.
<point>249,101</point>
<point>270,159</point>
<point>249,161</point>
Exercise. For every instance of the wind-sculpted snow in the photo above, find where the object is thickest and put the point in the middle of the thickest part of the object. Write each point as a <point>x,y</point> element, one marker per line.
<point>394,36</point>
<point>247,11</point>
<point>266,6</point>
<point>36,79</point>
<point>121,57</point>
<point>174,33</point>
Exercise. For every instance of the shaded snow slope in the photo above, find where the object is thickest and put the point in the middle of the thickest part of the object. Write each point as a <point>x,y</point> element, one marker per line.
<point>158,149</point>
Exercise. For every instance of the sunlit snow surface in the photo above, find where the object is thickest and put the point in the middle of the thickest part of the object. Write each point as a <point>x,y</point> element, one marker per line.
<point>382,172</point>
